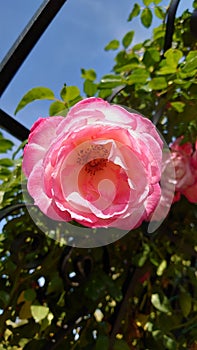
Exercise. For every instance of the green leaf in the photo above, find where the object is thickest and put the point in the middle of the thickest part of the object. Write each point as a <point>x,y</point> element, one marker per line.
<point>159,12</point>
<point>121,344</point>
<point>38,93</point>
<point>110,81</point>
<point>161,305</point>
<point>194,4</point>
<point>141,258</point>
<point>4,298</point>
<point>137,47</point>
<point>104,93</point>
<point>56,107</point>
<point>25,311</point>
<point>138,76</point>
<point>102,342</point>
<point>69,93</point>
<point>89,74</point>
<point>127,39</point>
<point>161,268</point>
<point>191,62</point>
<point>4,173</point>
<point>185,302</point>
<point>55,284</point>
<point>5,145</point>
<point>169,65</point>
<point>146,17</point>
<point>147,2</point>
<point>158,32</point>
<point>39,312</point>
<point>173,57</point>
<point>169,343</point>
<point>6,162</point>
<point>178,106</point>
<point>90,88</point>
<point>112,45</point>
<point>135,12</point>
<point>158,83</point>
<point>150,57</point>
<point>29,294</point>
<point>20,147</point>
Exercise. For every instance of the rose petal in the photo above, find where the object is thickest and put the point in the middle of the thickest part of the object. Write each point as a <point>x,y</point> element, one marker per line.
<point>35,189</point>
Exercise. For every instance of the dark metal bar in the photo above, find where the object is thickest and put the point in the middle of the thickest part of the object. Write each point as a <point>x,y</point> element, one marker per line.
<point>167,45</point>
<point>27,40</point>
<point>170,24</point>
<point>13,127</point>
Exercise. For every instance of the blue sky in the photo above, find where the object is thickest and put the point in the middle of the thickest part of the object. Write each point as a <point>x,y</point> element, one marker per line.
<point>75,39</point>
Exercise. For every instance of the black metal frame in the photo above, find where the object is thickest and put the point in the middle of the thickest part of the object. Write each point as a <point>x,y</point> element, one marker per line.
<point>170,24</point>
<point>27,40</point>
<point>17,55</point>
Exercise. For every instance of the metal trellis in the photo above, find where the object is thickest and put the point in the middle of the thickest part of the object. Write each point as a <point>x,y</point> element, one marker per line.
<point>17,55</point>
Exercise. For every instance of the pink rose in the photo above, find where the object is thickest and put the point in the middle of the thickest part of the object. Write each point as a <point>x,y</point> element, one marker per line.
<point>185,163</point>
<point>99,166</point>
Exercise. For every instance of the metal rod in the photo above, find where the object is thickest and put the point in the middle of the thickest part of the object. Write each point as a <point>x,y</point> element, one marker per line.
<point>170,24</point>
<point>27,40</point>
<point>13,127</point>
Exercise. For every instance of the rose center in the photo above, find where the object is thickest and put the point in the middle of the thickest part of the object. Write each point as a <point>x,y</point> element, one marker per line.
<point>92,155</point>
<point>95,165</point>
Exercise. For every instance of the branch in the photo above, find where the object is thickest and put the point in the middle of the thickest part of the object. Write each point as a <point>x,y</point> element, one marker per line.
<point>133,277</point>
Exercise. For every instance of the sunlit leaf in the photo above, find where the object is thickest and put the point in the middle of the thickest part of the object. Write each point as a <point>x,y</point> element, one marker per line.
<point>38,93</point>
<point>69,93</point>
<point>138,76</point>
<point>6,162</point>
<point>110,81</point>
<point>127,39</point>
<point>151,56</point>
<point>173,57</point>
<point>191,64</point>
<point>159,12</point>
<point>39,312</point>
<point>135,12</point>
<point>90,88</point>
<point>5,144</point>
<point>161,268</point>
<point>158,83</point>
<point>147,2</point>
<point>161,304</point>
<point>89,74</point>
<point>112,45</point>
<point>56,107</point>
<point>178,106</point>
<point>169,342</point>
<point>146,17</point>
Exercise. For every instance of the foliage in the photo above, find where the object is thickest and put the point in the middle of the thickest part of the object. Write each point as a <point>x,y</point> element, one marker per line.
<point>137,293</point>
